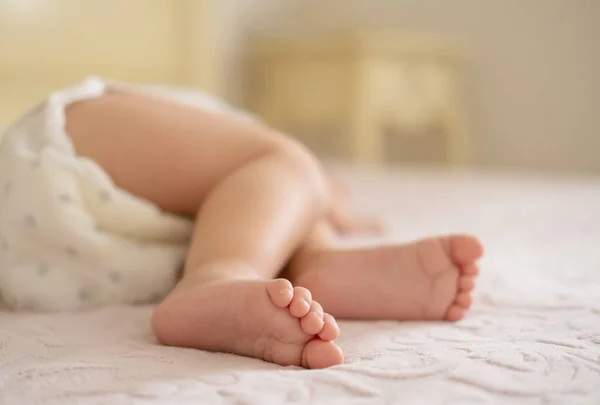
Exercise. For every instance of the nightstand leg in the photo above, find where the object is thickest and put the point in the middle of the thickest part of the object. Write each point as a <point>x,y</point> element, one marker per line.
<point>454,127</point>
<point>366,135</point>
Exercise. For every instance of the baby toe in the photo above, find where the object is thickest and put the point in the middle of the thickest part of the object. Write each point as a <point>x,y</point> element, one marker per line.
<point>301,302</point>
<point>281,292</point>
<point>470,269</point>
<point>463,299</point>
<point>455,313</point>
<point>466,283</point>
<point>330,329</point>
<point>465,249</point>
<point>319,354</point>
<point>312,323</point>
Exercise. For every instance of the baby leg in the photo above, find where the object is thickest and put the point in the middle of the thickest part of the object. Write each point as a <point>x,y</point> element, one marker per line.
<point>255,195</point>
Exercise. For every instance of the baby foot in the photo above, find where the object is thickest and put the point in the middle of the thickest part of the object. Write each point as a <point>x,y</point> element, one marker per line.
<point>431,279</point>
<point>268,320</point>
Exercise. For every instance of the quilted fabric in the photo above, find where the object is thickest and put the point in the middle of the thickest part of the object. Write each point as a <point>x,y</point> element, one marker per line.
<point>533,336</point>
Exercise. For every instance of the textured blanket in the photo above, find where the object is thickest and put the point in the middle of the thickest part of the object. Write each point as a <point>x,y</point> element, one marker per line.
<point>532,337</point>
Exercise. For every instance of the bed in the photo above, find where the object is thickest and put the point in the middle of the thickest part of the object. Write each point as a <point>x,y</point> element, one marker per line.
<point>532,337</point>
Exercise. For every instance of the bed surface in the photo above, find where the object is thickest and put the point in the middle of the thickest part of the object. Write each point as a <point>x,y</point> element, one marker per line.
<point>533,336</point>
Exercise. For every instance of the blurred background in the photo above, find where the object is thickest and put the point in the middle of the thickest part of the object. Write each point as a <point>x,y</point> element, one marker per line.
<point>498,83</point>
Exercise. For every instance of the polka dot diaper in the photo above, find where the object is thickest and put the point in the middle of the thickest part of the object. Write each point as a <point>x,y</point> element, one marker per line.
<point>69,238</point>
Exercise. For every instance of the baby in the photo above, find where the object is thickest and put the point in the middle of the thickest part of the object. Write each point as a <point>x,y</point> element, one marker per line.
<point>119,194</point>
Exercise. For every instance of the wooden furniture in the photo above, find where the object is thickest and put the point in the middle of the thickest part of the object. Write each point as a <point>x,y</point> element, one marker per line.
<point>360,86</point>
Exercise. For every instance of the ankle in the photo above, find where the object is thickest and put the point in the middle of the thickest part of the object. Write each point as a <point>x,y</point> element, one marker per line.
<point>222,270</point>
<point>302,264</point>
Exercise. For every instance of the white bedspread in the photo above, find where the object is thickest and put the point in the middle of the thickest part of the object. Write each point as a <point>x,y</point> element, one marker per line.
<point>533,336</point>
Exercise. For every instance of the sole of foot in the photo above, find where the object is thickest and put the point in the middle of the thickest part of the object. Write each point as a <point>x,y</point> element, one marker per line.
<point>268,320</point>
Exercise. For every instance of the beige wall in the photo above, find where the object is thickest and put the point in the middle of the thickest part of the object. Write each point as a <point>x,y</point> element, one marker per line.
<point>49,44</point>
<point>531,78</point>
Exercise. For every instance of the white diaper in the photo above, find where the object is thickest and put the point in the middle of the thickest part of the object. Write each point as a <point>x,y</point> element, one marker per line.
<point>69,238</point>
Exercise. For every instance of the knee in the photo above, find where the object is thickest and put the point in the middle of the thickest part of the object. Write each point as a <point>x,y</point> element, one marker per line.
<point>306,171</point>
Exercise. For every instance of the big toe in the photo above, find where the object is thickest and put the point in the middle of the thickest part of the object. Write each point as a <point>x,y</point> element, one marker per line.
<point>455,313</point>
<point>320,354</point>
<point>465,249</point>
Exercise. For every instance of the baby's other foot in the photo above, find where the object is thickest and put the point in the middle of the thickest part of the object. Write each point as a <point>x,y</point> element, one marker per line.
<point>431,279</point>
<point>268,320</point>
